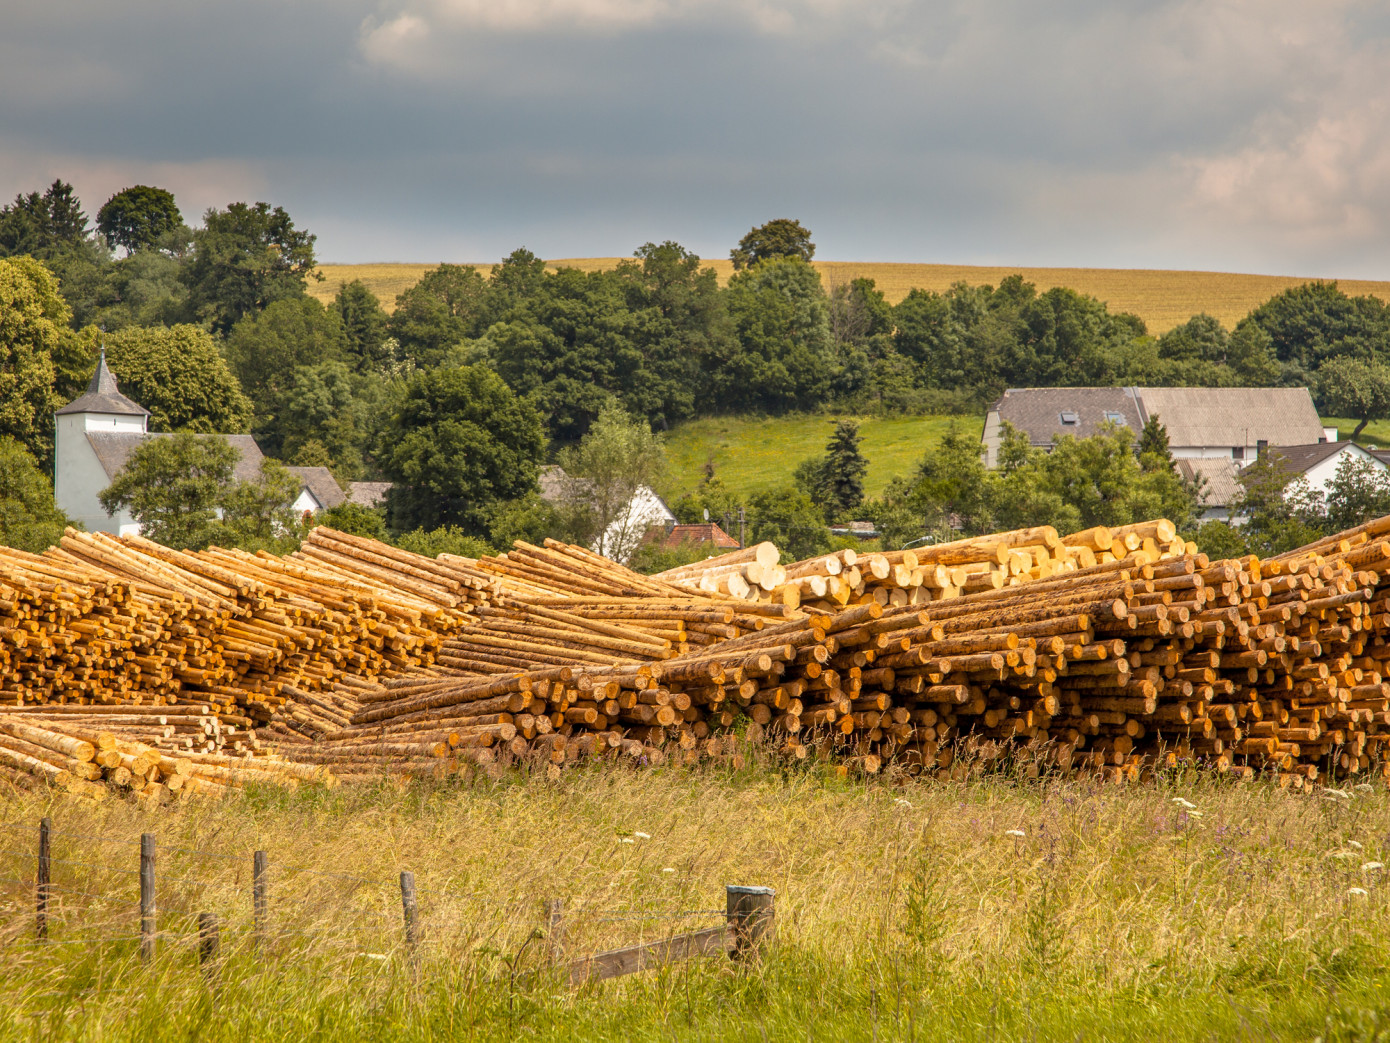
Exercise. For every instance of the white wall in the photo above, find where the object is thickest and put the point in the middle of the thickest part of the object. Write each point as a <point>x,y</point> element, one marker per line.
<point>1320,474</point>
<point>624,535</point>
<point>78,477</point>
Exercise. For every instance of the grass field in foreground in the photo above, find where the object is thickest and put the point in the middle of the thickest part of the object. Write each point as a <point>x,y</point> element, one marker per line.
<point>1163,299</point>
<point>752,454</point>
<point>1191,908</point>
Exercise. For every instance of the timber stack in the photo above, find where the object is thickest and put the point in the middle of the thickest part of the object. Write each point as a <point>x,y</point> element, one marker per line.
<point>1116,651</point>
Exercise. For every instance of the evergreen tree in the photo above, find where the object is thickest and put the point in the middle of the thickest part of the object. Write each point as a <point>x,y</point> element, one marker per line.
<point>845,467</point>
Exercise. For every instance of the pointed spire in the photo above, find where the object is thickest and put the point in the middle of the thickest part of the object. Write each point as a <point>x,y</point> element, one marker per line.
<point>103,395</point>
<point>103,380</point>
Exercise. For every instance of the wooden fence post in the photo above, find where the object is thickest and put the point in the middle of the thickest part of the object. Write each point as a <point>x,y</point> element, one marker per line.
<point>45,868</point>
<point>147,910</point>
<point>259,898</point>
<point>555,928</point>
<point>410,910</point>
<point>209,942</point>
<point>750,911</point>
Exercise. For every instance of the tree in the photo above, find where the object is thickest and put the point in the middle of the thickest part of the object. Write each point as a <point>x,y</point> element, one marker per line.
<point>260,515</point>
<point>244,259</point>
<point>33,329</point>
<point>355,519</point>
<point>321,405</point>
<point>43,225</point>
<point>784,358</point>
<point>1279,509</point>
<point>439,312</point>
<point>173,487</point>
<point>1358,492</point>
<point>137,218</point>
<point>178,374</point>
<point>365,328</point>
<point>266,349</point>
<point>448,539</point>
<point>616,458</point>
<point>783,237</point>
<point>459,441</point>
<point>789,519</point>
<point>29,519</point>
<point>845,467</point>
<point>1355,387</point>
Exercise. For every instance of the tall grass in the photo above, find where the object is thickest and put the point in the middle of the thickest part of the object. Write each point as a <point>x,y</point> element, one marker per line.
<point>991,909</point>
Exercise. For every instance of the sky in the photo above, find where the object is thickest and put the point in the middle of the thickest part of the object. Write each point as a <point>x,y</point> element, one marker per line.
<point>1226,135</point>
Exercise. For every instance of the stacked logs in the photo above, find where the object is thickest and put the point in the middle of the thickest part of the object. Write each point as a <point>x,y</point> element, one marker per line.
<point>1115,651</point>
<point>1119,652</point>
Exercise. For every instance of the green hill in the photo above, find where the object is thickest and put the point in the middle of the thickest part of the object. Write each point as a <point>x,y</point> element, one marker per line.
<point>751,454</point>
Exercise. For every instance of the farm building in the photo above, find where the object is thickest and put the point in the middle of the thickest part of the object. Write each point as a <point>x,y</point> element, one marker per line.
<point>703,534</point>
<point>95,434</point>
<point>1202,423</point>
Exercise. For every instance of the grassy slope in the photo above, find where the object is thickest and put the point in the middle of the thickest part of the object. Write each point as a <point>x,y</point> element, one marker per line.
<point>1112,914</point>
<point>1162,298</point>
<point>751,454</point>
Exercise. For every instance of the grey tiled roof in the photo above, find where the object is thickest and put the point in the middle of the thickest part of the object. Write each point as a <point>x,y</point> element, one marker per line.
<point>113,449</point>
<point>321,485</point>
<point>1222,475</point>
<point>1300,459</point>
<point>103,396</point>
<point>368,494</point>
<point>1233,416</point>
<point>1037,412</point>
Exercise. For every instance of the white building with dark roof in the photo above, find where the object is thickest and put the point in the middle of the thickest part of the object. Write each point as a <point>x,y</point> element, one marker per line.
<point>95,434</point>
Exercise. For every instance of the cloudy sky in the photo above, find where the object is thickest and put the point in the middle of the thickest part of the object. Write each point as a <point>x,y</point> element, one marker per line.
<point>1246,135</point>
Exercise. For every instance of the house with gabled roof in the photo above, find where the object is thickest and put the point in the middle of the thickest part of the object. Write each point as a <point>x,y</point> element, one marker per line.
<point>95,434</point>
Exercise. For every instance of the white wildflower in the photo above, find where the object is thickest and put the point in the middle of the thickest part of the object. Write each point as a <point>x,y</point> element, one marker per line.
<point>1366,867</point>
<point>904,803</point>
<point>667,869</point>
<point>1015,833</point>
<point>1338,793</point>
<point>1354,843</point>
<point>626,840</point>
<point>1195,814</point>
<point>373,955</point>
<point>1365,787</point>
<point>642,836</point>
<point>1341,854</point>
<point>1357,891</point>
<point>1184,802</point>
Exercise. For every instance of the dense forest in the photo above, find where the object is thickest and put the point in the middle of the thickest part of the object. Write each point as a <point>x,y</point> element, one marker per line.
<point>472,380</point>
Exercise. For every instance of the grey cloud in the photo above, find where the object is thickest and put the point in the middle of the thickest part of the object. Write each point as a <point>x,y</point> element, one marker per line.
<point>1210,135</point>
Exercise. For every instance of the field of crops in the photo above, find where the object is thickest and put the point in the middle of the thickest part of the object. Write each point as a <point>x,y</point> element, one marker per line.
<point>754,454</point>
<point>1191,908</point>
<point>1162,298</point>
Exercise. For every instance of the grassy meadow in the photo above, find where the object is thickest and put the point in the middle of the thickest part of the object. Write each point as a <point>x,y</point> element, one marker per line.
<point>1163,299</point>
<point>754,454</point>
<point>992,909</point>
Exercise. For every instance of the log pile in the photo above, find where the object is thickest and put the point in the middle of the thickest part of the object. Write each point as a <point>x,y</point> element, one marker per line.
<point>1112,651</point>
<point>1118,652</point>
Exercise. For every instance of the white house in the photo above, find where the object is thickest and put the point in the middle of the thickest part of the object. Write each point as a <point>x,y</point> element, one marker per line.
<point>627,530</point>
<point>95,434</point>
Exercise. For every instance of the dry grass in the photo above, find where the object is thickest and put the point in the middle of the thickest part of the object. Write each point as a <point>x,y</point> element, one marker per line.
<point>981,910</point>
<point>1163,299</point>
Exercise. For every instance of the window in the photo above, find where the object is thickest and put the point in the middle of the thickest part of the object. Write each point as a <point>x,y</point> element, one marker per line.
<point>1115,418</point>
<point>1238,452</point>
<point>1069,417</point>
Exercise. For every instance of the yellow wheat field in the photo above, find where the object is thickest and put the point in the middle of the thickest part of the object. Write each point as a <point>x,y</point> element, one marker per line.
<point>1163,299</point>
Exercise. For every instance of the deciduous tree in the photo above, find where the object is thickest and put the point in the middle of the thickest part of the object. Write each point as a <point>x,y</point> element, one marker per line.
<point>178,374</point>
<point>783,237</point>
<point>136,218</point>
<point>29,519</point>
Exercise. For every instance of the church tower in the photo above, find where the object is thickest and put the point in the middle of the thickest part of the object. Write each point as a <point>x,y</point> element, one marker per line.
<point>86,430</point>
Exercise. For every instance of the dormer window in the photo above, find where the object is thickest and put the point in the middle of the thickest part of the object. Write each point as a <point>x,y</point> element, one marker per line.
<point>1070,417</point>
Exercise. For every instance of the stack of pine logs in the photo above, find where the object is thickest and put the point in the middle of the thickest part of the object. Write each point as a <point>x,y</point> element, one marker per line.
<point>1113,651</point>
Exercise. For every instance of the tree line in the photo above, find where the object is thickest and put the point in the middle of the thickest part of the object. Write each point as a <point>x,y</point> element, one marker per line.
<point>475,379</point>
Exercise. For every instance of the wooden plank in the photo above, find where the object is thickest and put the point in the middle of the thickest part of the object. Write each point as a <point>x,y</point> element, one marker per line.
<point>712,941</point>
